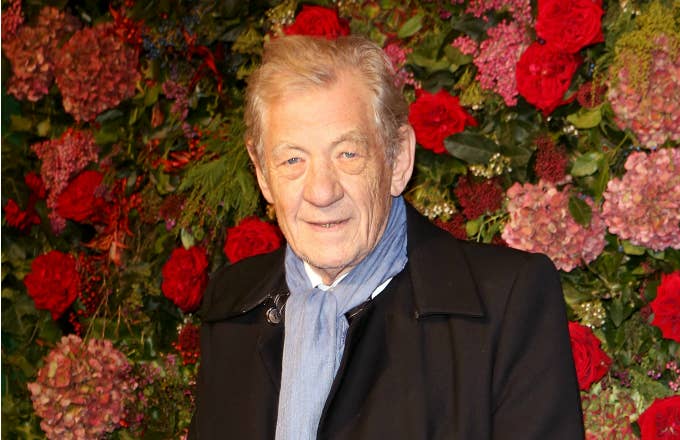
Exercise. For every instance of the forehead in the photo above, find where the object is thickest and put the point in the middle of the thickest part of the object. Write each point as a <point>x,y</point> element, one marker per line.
<point>314,113</point>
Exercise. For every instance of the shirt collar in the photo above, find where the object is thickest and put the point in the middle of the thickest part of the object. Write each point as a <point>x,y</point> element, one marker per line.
<point>316,281</point>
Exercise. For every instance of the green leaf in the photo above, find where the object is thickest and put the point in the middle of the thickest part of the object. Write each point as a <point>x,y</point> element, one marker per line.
<point>586,118</point>
<point>43,127</point>
<point>109,116</point>
<point>586,164</point>
<point>187,239</point>
<point>412,25</point>
<point>619,311</point>
<point>473,148</point>
<point>152,95</point>
<point>106,136</point>
<point>519,155</point>
<point>472,227</point>
<point>455,56</point>
<point>467,24</point>
<point>429,63</point>
<point>602,179</point>
<point>19,123</point>
<point>574,296</point>
<point>631,249</point>
<point>649,388</point>
<point>616,312</point>
<point>580,211</point>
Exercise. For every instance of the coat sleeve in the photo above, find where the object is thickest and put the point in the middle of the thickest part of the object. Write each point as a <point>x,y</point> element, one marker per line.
<point>535,391</point>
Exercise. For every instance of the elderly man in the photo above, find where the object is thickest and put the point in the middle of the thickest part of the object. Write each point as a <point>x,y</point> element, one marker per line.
<point>371,323</point>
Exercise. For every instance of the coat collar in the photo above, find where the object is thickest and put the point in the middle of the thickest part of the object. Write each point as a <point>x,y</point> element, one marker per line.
<point>440,274</point>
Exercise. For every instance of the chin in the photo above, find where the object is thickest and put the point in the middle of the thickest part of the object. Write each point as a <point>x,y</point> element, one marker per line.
<point>327,262</point>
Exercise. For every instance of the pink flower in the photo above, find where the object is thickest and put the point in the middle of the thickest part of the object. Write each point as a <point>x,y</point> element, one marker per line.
<point>540,222</point>
<point>466,45</point>
<point>83,389</point>
<point>397,56</point>
<point>62,159</point>
<point>651,109</point>
<point>520,9</point>
<point>643,206</point>
<point>178,92</point>
<point>95,71</point>
<point>497,60</point>
<point>32,52</point>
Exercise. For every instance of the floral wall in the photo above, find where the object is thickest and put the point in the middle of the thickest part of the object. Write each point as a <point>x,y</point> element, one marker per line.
<point>549,126</point>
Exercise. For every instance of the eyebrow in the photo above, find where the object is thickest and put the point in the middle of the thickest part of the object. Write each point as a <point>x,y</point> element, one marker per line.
<point>356,136</point>
<point>351,136</point>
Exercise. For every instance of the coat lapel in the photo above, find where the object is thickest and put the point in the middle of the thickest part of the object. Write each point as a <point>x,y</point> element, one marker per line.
<point>441,277</point>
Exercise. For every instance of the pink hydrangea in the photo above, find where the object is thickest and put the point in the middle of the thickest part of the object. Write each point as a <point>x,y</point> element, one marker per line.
<point>95,71</point>
<point>62,159</point>
<point>178,92</point>
<point>83,389</point>
<point>466,45</point>
<point>643,206</point>
<point>32,52</point>
<point>497,59</point>
<point>397,56</point>
<point>651,110</point>
<point>608,413</point>
<point>520,9</point>
<point>540,221</point>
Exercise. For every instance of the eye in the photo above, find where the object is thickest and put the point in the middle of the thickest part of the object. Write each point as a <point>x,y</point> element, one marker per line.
<point>348,155</point>
<point>293,161</point>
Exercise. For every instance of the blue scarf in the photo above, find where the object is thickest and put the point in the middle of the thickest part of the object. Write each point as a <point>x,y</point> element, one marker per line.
<point>315,327</point>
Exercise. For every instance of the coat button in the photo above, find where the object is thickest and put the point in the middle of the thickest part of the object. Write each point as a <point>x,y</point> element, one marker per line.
<point>273,315</point>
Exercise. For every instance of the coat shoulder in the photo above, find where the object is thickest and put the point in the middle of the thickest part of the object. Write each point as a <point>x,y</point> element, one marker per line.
<point>237,288</point>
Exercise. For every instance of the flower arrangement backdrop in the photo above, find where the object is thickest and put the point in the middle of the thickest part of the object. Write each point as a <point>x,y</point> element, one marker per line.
<point>550,126</point>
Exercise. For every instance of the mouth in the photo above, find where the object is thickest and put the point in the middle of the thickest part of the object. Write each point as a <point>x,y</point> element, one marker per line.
<point>328,225</point>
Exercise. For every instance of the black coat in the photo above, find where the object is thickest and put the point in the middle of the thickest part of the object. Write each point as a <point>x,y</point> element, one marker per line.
<point>470,341</point>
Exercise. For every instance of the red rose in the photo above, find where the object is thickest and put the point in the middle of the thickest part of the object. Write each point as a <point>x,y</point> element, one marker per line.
<point>318,21</point>
<point>666,306</point>
<point>591,362</point>
<point>53,282</point>
<point>569,26</point>
<point>250,237</point>
<point>543,76</point>
<point>22,220</point>
<point>82,199</point>
<point>436,116</point>
<point>661,420</point>
<point>185,276</point>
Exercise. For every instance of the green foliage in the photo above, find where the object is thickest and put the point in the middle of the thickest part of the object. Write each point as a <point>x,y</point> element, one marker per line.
<point>471,147</point>
<point>221,187</point>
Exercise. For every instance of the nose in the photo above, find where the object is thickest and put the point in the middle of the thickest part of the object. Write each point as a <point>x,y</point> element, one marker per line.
<point>322,186</point>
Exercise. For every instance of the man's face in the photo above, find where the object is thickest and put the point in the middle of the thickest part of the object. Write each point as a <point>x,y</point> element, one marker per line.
<point>327,175</point>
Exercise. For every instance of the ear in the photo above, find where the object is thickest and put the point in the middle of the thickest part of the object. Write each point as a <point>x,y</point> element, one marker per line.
<point>402,168</point>
<point>259,172</point>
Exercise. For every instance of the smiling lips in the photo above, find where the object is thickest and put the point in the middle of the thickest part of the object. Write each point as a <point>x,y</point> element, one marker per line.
<point>327,225</point>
